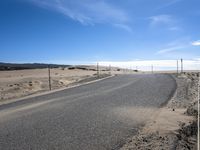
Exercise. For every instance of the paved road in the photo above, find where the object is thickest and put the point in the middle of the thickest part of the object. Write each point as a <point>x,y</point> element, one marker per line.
<point>100,115</point>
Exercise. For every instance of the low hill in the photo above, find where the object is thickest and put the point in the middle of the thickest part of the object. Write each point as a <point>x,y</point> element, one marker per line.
<point>16,66</point>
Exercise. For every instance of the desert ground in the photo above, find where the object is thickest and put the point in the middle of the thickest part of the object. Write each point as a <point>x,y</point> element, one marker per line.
<point>20,83</point>
<point>15,84</point>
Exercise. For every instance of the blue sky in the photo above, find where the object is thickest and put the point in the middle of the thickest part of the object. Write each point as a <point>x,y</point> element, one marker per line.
<point>81,31</point>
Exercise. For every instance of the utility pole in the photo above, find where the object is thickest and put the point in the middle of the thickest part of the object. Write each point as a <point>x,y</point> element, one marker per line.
<point>98,70</point>
<point>181,65</point>
<point>152,69</point>
<point>177,68</point>
<point>49,74</point>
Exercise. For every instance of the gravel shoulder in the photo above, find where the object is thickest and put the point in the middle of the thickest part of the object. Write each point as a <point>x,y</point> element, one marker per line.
<point>175,125</point>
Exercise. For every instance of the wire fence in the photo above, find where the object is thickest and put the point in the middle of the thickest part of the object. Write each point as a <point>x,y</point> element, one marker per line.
<point>157,65</point>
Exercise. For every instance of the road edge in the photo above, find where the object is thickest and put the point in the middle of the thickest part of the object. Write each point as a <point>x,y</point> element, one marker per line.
<point>172,93</point>
<point>163,137</point>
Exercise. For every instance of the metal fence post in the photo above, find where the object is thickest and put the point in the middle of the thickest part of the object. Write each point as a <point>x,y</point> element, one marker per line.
<point>181,65</point>
<point>98,70</point>
<point>152,69</point>
<point>110,69</point>
<point>49,74</point>
<point>177,68</point>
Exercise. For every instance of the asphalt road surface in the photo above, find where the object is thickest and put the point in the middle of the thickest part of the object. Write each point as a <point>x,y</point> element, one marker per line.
<point>100,115</point>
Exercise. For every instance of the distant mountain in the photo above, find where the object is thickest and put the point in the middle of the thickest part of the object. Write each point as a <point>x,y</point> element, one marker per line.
<point>16,66</point>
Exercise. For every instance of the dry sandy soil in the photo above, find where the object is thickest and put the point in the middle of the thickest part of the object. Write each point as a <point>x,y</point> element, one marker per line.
<point>20,83</point>
<point>175,126</point>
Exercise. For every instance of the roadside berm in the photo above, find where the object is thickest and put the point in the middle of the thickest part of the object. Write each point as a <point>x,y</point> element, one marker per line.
<point>174,127</point>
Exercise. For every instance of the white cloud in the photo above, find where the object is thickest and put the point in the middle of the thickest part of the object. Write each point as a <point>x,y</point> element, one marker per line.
<point>169,3</point>
<point>174,28</point>
<point>88,12</point>
<point>164,20</point>
<point>169,50</point>
<point>161,19</point>
<point>175,45</point>
<point>196,43</point>
<point>123,26</point>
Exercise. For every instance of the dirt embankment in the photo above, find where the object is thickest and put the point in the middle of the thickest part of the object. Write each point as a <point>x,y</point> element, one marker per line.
<point>175,126</point>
